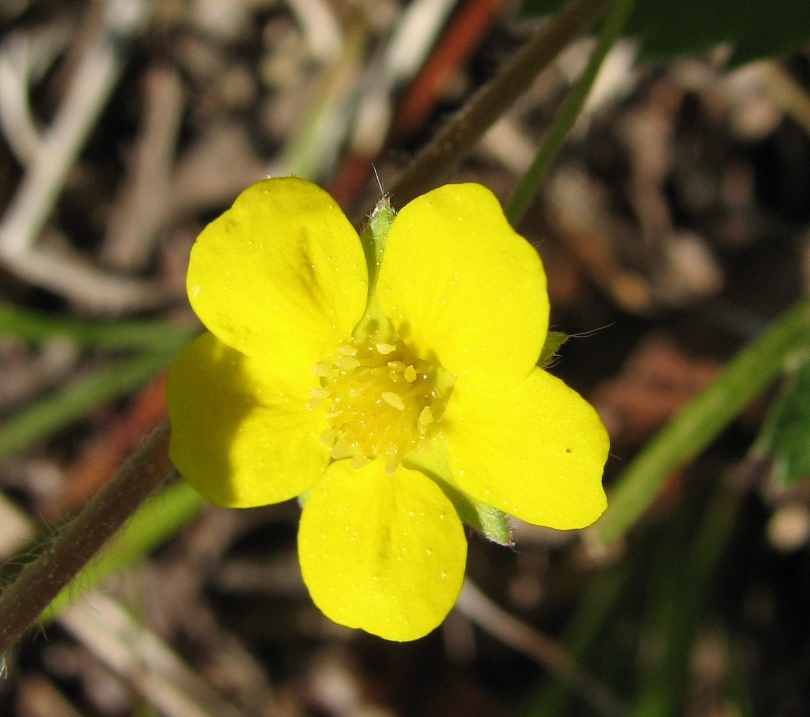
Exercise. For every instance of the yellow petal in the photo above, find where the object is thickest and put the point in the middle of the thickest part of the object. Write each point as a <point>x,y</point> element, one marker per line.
<point>281,274</point>
<point>536,451</point>
<point>462,287</point>
<point>240,435</point>
<point>382,553</point>
<point>431,459</point>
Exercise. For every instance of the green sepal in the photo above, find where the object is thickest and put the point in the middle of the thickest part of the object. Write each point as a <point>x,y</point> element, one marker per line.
<point>785,434</point>
<point>432,460</point>
<point>374,325</point>
<point>554,339</point>
<point>374,235</point>
<point>485,519</point>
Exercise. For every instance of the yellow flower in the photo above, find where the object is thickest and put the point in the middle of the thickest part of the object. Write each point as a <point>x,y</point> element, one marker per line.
<point>391,383</point>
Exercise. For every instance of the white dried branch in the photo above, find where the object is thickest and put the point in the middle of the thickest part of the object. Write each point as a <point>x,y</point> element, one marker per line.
<point>19,127</point>
<point>141,658</point>
<point>140,210</point>
<point>84,285</point>
<point>320,26</point>
<point>786,92</point>
<point>490,617</point>
<point>96,75</point>
<point>414,35</point>
<point>25,57</point>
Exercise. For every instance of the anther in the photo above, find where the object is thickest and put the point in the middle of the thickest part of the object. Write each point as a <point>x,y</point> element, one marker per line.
<point>360,460</point>
<point>321,369</point>
<point>341,449</point>
<point>393,399</point>
<point>391,465</point>
<point>347,362</point>
<point>327,436</point>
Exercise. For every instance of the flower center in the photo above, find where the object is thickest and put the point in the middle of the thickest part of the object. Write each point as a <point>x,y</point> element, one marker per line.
<point>380,400</point>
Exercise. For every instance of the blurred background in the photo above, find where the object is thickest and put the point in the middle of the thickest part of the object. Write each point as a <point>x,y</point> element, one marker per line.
<point>674,227</point>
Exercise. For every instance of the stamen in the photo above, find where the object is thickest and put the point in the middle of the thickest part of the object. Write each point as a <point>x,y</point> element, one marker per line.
<point>347,362</point>
<point>341,449</point>
<point>391,465</point>
<point>321,369</point>
<point>360,460</point>
<point>380,401</point>
<point>328,436</point>
<point>393,399</point>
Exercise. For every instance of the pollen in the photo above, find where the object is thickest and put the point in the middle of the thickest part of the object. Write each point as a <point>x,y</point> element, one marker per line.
<point>381,401</point>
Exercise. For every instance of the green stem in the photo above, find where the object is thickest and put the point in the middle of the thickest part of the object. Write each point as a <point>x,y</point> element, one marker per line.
<point>702,419</point>
<point>453,141</point>
<point>40,581</point>
<point>519,201</point>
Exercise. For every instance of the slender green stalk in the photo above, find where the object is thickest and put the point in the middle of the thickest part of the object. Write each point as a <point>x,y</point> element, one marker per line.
<point>40,581</point>
<point>34,326</point>
<point>76,399</point>
<point>681,577</point>
<point>519,201</point>
<point>702,419</point>
<point>453,141</point>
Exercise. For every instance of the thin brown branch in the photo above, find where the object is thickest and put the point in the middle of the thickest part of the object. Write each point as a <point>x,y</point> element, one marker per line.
<point>453,141</point>
<point>24,600</point>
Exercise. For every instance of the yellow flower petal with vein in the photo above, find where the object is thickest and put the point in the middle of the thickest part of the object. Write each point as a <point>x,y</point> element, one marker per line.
<point>536,451</point>
<point>459,284</point>
<point>382,553</point>
<point>281,274</point>
<point>290,395</point>
<point>241,435</point>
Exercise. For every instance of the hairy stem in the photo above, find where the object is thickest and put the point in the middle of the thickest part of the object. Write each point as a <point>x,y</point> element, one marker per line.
<point>453,141</point>
<point>24,600</point>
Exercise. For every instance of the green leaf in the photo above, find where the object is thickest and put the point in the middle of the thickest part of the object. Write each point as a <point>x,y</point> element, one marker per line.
<point>755,29</point>
<point>157,343</point>
<point>35,327</point>
<point>691,430</point>
<point>76,399</point>
<point>786,433</point>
